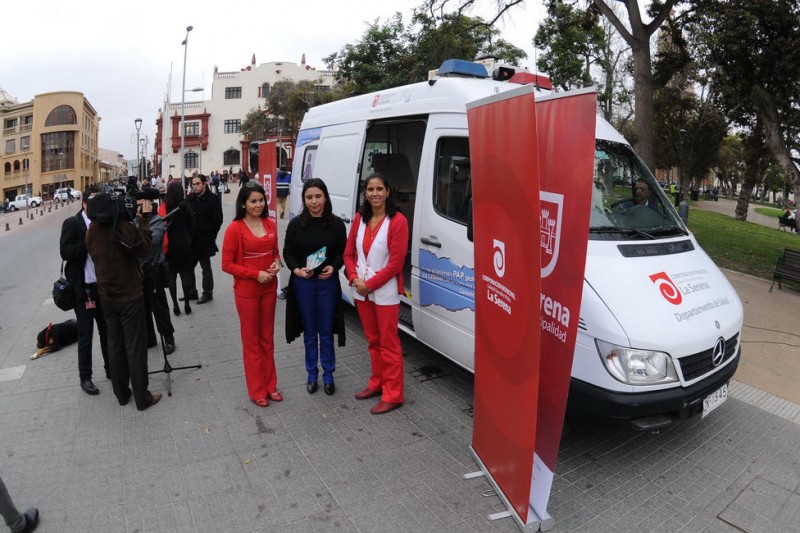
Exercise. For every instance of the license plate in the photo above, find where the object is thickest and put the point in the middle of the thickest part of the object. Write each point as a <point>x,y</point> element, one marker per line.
<point>715,399</point>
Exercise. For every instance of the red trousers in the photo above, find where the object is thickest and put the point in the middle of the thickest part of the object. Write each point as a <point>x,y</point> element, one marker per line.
<point>257,325</point>
<point>385,352</point>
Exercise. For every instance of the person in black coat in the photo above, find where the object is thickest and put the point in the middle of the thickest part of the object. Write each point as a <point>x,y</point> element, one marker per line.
<point>180,258</point>
<point>207,211</point>
<point>313,250</point>
<point>88,309</point>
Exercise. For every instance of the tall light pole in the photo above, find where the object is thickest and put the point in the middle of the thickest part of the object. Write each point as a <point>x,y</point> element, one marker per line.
<point>138,124</point>
<point>182,131</point>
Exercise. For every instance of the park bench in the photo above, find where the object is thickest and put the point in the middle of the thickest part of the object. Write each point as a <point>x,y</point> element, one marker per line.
<point>786,222</point>
<point>788,267</point>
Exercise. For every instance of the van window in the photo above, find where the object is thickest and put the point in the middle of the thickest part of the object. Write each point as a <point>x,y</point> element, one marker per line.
<point>452,182</point>
<point>627,201</point>
<point>309,157</point>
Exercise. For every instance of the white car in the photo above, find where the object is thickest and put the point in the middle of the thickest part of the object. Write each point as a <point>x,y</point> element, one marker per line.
<point>23,200</point>
<point>62,195</point>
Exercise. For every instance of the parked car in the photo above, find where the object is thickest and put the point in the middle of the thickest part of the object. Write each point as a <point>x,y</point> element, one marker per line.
<point>24,200</point>
<point>62,195</point>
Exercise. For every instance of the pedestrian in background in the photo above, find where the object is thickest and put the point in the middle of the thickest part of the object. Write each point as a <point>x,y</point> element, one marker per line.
<point>313,251</point>
<point>88,308</point>
<point>373,259</point>
<point>207,211</point>
<point>250,254</point>
<point>16,521</point>
<point>283,183</point>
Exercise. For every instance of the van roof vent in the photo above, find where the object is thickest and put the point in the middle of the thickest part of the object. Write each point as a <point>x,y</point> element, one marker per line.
<point>463,69</point>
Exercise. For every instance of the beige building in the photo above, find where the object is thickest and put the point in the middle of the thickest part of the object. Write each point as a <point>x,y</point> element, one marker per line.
<point>48,143</point>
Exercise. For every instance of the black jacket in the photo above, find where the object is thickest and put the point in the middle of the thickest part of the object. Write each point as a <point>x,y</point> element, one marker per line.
<point>207,211</point>
<point>72,247</point>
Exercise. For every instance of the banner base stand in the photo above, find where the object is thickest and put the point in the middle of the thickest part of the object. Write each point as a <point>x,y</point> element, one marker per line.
<point>532,526</point>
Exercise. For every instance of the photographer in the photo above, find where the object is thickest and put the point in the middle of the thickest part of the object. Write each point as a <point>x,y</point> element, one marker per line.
<point>155,277</point>
<point>116,245</point>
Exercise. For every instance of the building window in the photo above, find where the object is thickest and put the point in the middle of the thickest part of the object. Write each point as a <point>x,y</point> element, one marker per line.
<point>191,129</point>
<point>16,165</point>
<point>60,116</point>
<point>25,143</point>
<point>231,157</point>
<point>233,93</point>
<point>233,126</point>
<point>7,168</point>
<point>10,123</point>
<point>191,160</point>
<point>11,146</point>
<point>264,90</point>
<point>58,151</point>
<point>27,119</point>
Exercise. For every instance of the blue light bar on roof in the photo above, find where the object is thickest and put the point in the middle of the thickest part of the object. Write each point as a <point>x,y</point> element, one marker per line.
<point>459,67</point>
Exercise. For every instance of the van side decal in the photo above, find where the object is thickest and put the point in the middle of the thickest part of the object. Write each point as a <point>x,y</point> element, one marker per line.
<point>307,136</point>
<point>445,284</point>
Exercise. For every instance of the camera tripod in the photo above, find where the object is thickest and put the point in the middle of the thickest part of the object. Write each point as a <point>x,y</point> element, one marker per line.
<point>169,368</point>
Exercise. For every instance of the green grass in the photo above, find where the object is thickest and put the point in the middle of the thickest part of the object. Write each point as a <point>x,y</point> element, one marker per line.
<point>741,246</point>
<point>769,211</point>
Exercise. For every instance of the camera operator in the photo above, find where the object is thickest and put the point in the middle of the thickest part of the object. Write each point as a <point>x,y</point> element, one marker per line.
<point>116,245</point>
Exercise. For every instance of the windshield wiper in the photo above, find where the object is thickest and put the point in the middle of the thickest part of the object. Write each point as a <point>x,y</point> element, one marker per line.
<point>621,230</point>
<point>662,230</point>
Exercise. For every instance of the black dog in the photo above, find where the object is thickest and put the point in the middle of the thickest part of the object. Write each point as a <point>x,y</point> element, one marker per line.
<point>56,336</point>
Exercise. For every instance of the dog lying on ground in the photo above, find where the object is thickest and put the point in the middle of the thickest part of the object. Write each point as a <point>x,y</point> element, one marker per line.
<point>55,336</point>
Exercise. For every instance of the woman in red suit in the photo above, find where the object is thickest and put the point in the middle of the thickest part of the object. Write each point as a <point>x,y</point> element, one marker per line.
<point>250,255</point>
<point>373,259</point>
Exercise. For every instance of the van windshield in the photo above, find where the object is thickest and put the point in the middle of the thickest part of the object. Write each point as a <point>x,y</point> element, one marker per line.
<point>627,201</point>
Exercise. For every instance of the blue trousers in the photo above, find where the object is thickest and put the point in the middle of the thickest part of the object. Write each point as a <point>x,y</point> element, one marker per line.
<point>316,299</point>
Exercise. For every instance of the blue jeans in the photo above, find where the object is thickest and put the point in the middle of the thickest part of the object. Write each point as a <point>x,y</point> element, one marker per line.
<point>316,299</point>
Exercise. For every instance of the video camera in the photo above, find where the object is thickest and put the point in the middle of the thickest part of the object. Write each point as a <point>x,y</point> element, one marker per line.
<point>106,208</point>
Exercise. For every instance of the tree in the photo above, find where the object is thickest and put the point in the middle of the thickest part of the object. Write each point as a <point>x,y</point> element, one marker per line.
<point>257,124</point>
<point>730,162</point>
<point>390,54</point>
<point>381,59</point>
<point>753,48</point>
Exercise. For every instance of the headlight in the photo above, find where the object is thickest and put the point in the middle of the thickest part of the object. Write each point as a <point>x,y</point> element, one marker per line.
<point>637,367</point>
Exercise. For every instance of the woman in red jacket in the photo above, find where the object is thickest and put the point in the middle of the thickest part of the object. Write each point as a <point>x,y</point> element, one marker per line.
<point>250,254</point>
<point>373,259</point>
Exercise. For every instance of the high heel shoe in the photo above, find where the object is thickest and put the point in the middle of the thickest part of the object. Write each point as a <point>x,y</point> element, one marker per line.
<point>275,396</point>
<point>261,403</point>
<point>187,309</point>
<point>177,310</point>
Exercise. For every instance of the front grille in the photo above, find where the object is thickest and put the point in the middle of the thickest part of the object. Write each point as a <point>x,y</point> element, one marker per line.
<point>695,365</point>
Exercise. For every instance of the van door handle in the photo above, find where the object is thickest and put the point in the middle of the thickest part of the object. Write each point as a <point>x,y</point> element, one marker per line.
<point>431,242</point>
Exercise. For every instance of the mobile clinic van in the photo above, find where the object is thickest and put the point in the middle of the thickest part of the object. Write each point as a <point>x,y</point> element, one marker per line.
<point>658,337</point>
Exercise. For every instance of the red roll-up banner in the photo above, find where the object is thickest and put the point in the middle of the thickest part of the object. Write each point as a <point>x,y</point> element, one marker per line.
<point>267,175</point>
<point>532,166</point>
<point>505,195</point>
<point>566,124</point>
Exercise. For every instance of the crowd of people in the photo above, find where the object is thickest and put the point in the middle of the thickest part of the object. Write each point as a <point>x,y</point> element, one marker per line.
<point>122,263</point>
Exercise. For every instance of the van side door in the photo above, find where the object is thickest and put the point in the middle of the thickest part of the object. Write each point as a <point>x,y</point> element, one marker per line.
<point>443,276</point>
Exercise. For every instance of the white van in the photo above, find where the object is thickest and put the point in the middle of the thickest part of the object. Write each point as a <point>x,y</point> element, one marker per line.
<point>659,327</point>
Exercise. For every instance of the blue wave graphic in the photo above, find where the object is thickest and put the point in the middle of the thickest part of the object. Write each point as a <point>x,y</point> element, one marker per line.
<point>444,283</point>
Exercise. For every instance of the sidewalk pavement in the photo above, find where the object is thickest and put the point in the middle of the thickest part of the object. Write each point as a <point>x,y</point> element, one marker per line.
<point>207,459</point>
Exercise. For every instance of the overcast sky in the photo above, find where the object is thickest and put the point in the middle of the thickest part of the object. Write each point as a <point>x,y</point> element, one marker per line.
<point>119,54</point>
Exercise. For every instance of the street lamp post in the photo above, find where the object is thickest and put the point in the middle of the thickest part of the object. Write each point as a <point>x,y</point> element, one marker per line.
<point>182,131</point>
<point>138,124</point>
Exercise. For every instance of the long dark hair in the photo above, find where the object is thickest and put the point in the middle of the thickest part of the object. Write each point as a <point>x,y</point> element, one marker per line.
<point>244,195</point>
<point>366,208</point>
<point>326,211</point>
<point>174,195</point>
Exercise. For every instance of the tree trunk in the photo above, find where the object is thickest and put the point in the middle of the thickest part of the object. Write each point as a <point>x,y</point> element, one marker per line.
<point>643,104</point>
<point>744,196</point>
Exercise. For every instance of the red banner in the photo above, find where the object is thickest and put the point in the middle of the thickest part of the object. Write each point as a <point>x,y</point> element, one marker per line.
<point>505,189</point>
<point>267,175</point>
<point>566,125</point>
